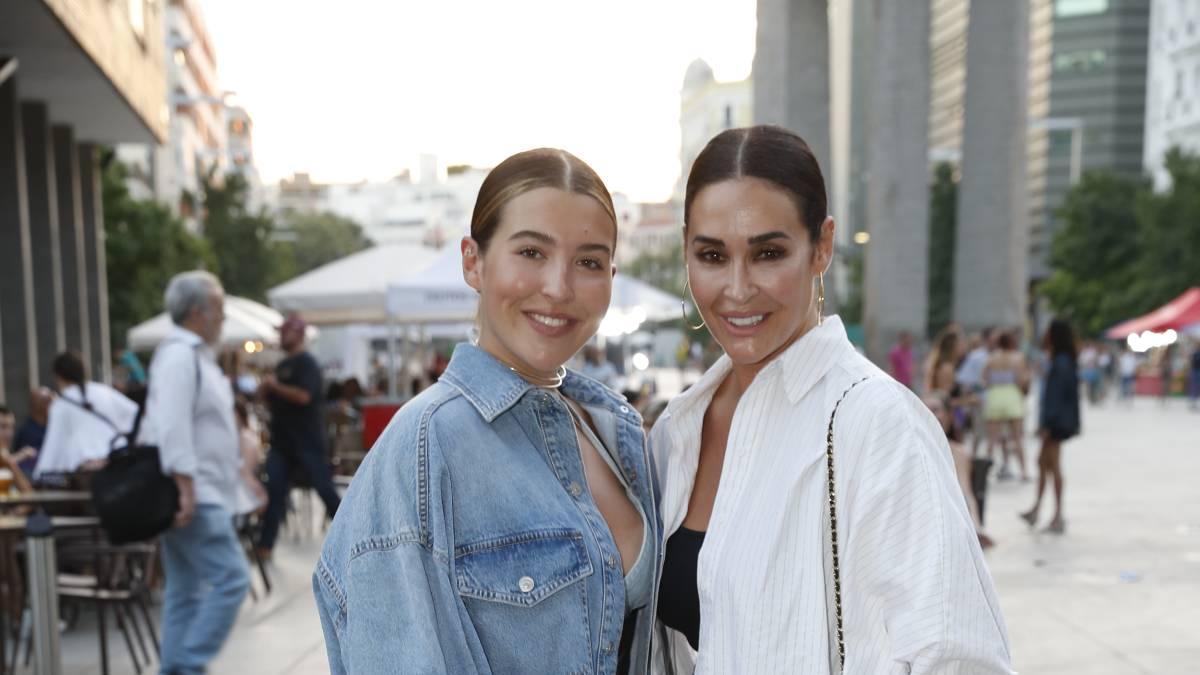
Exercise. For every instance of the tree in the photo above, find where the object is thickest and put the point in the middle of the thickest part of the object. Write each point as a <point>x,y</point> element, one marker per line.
<point>145,245</point>
<point>319,238</point>
<point>663,270</point>
<point>943,233</point>
<point>1170,233</point>
<point>249,260</point>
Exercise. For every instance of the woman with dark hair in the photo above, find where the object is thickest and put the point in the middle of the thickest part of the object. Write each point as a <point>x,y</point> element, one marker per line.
<point>1058,419</point>
<point>942,362</point>
<point>1005,378</point>
<point>505,522</point>
<point>767,543</point>
<point>83,420</point>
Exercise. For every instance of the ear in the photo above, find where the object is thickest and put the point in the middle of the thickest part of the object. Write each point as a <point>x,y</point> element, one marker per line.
<point>472,263</point>
<point>824,250</point>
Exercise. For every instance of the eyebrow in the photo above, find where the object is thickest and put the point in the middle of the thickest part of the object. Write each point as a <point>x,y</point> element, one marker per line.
<point>550,241</point>
<point>756,239</point>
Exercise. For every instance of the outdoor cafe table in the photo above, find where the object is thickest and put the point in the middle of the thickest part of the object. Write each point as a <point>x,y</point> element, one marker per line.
<point>45,498</point>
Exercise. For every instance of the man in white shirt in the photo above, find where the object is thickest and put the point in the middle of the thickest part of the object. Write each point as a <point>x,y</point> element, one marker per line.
<point>970,378</point>
<point>189,409</point>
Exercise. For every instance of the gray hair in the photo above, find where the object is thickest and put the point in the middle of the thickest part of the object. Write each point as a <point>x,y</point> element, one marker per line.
<point>188,291</point>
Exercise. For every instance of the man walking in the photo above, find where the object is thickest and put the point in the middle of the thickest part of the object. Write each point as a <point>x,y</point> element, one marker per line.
<point>189,410</point>
<point>297,431</point>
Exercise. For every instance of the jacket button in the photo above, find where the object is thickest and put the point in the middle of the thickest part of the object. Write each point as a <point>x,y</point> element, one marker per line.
<point>611,561</point>
<point>526,584</point>
<point>574,489</point>
<point>624,409</point>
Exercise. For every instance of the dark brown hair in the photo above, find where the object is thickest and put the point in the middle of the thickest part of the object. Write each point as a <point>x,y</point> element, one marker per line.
<point>529,170</point>
<point>1006,341</point>
<point>771,153</point>
<point>69,367</point>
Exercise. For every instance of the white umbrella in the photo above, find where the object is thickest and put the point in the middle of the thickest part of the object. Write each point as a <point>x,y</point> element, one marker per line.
<point>245,321</point>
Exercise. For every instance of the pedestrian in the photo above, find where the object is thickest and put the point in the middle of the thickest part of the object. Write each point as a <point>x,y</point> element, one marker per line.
<point>32,432</point>
<point>190,417</point>
<point>970,379</point>
<point>941,363</point>
<point>82,422</point>
<point>1166,373</point>
<point>941,409</point>
<point>293,396</point>
<point>901,360</point>
<point>755,580</point>
<point>11,474</point>
<point>1195,378</point>
<point>1089,370</point>
<point>505,521</point>
<point>1127,367</point>
<point>1058,419</point>
<point>251,495</point>
<point>599,368</point>
<point>1006,377</point>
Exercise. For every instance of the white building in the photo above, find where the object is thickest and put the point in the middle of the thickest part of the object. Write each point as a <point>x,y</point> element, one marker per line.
<point>435,209</point>
<point>239,151</point>
<point>1173,84</point>
<point>706,108</point>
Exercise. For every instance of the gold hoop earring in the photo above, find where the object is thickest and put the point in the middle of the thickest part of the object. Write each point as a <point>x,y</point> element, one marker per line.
<point>683,306</point>
<point>820,298</point>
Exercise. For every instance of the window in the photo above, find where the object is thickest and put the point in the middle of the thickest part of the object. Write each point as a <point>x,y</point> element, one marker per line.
<point>1071,8</point>
<point>180,57</point>
<point>1082,61</point>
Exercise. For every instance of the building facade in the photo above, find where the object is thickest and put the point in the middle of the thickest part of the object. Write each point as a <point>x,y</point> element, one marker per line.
<point>706,108</point>
<point>74,75</point>
<point>1173,84</point>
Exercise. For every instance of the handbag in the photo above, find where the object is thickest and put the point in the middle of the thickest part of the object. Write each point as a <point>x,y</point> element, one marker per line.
<point>836,638</point>
<point>132,496</point>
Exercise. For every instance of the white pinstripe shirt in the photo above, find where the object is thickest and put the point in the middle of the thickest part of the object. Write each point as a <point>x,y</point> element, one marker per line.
<point>917,595</point>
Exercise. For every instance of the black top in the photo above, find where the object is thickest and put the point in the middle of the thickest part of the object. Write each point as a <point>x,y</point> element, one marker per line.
<point>678,597</point>
<point>298,428</point>
<point>1059,413</point>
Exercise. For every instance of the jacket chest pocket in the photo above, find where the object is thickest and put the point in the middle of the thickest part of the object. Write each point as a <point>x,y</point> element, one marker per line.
<point>522,569</point>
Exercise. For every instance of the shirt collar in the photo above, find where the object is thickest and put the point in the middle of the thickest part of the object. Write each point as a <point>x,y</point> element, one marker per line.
<point>812,356</point>
<point>489,385</point>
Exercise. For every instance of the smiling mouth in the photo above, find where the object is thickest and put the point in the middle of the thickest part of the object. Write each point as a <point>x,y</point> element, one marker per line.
<point>745,321</point>
<point>546,320</point>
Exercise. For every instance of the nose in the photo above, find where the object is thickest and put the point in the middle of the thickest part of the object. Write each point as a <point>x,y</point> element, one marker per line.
<point>558,283</point>
<point>741,287</point>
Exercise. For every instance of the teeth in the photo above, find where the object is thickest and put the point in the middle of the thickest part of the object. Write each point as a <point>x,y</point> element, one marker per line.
<point>549,320</point>
<point>747,321</point>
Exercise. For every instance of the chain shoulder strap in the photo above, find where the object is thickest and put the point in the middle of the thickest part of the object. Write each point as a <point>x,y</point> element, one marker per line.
<point>833,530</point>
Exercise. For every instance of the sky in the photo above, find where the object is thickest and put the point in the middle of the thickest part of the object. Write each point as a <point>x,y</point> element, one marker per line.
<point>357,89</point>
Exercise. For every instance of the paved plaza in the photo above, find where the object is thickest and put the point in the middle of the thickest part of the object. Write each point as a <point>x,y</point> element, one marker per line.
<point>1119,593</point>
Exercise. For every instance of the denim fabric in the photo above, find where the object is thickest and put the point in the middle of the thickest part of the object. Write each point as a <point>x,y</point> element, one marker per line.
<point>468,541</point>
<point>206,582</point>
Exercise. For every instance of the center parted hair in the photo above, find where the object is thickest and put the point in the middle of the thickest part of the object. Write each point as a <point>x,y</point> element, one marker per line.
<point>530,170</point>
<point>770,153</point>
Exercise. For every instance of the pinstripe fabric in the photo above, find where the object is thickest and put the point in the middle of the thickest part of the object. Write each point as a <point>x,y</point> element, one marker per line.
<point>916,592</point>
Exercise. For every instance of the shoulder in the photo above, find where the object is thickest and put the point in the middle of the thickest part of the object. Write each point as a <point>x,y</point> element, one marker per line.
<point>877,415</point>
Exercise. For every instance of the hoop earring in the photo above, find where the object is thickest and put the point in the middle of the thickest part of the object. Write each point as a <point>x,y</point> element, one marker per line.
<point>820,298</point>
<point>683,306</point>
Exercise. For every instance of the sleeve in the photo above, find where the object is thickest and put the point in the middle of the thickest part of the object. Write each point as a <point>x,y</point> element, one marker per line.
<point>170,406</point>
<point>914,560</point>
<point>309,378</point>
<point>390,604</point>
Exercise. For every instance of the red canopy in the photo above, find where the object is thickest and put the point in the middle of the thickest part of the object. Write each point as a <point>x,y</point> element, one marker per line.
<point>1178,313</point>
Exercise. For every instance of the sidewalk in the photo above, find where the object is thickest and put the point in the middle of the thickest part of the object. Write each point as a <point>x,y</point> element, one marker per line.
<point>1120,592</point>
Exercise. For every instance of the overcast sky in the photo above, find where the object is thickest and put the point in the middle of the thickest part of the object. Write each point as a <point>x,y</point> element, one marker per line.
<point>356,89</point>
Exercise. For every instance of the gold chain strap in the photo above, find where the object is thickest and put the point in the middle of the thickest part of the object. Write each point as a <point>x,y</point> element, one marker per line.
<point>833,532</point>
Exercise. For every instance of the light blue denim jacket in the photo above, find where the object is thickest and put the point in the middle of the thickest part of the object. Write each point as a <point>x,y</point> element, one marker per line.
<point>468,541</point>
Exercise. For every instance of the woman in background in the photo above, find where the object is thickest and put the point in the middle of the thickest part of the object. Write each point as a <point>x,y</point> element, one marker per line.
<point>1005,378</point>
<point>1058,419</point>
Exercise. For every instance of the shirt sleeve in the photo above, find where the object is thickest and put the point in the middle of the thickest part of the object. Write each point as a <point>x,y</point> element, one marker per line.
<point>914,560</point>
<point>170,406</point>
<point>308,378</point>
<point>55,441</point>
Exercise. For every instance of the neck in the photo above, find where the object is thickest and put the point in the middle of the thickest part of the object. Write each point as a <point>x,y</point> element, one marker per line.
<point>533,376</point>
<point>742,375</point>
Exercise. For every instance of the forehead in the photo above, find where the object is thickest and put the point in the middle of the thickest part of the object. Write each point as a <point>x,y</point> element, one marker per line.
<point>743,206</point>
<point>566,216</point>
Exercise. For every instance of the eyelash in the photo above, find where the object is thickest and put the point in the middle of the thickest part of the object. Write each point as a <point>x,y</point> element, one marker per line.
<point>534,254</point>
<point>713,256</point>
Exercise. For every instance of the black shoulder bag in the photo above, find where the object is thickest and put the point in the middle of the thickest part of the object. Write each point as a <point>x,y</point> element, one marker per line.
<point>133,498</point>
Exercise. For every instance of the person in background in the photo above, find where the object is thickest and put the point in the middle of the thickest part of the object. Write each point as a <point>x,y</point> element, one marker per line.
<point>970,380</point>
<point>1195,378</point>
<point>901,360</point>
<point>1007,378</point>
<point>1127,367</point>
<point>293,394</point>
<point>190,417</point>
<point>599,368</point>
<point>8,461</point>
<point>1089,370</point>
<point>251,495</point>
<point>939,366</point>
<point>83,420</point>
<point>1058,419</point>
<point>940,407</point>
<point>1166,372</point>
<point>32,432</point>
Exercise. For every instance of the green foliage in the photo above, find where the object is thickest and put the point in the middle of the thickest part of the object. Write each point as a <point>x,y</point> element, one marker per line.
<point>319,238</point>
<point>943,231</point>
<point>145,245</point>
<point>851,308</point>
<point>247,255</point>
<point>666,271</point>
<point>1124,250</point>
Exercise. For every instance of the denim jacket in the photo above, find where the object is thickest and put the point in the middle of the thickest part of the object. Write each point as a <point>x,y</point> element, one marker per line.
<point>468,541</point>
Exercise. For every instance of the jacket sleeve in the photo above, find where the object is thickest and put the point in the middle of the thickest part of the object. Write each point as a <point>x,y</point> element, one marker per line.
<point>387,598</point>
<point>914,561</point>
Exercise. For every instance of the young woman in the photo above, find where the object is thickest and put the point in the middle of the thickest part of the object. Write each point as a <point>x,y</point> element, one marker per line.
<point>941,363</point>
<point>1058,419</point>
<point>1005,377</point>
<point>753,579</point>
<point>504,522</point>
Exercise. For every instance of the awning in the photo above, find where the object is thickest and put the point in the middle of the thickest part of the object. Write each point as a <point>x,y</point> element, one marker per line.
<point>1178,314</point>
